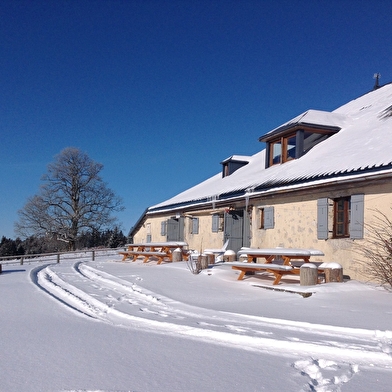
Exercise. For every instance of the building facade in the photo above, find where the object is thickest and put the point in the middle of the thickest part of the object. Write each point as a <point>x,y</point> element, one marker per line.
<point>318,184</point>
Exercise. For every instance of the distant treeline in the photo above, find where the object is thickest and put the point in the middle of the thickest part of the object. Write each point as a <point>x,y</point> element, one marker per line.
<point>34,245</point>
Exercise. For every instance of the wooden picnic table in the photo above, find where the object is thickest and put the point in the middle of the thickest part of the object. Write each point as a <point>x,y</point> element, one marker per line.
<point>160,250</point>
<point>287,254</point>
<point>274,254</point>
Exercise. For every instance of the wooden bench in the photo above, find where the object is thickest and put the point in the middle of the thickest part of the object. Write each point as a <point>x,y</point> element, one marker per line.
<point>135,254</point>
<point>276,269</point>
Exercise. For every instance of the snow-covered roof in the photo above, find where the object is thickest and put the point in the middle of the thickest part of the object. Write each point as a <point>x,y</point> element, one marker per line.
<point>319,118</point>
<point>237,158</point>
<point>361,147</point>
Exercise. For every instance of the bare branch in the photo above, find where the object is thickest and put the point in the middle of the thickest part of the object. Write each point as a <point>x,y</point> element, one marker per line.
<point>73,197</point>
<point>376,251</point>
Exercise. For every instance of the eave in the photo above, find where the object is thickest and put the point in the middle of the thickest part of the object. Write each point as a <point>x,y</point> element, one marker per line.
<point>283,185</point>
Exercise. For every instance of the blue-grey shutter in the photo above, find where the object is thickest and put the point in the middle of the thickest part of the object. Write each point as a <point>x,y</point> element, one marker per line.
<point>269,218</point>
<point>357,216</point>
<point>215,223</point>
<point>322,219</point>
<point>163,228</point>
<point>195,225</point>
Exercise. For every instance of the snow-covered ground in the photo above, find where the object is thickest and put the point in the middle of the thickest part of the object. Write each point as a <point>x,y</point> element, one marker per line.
<point>107,325</point>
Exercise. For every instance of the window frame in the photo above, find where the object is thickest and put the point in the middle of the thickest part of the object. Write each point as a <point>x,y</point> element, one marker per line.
<point>300,134</point>
<point>284,156</point>
<point>261,219</point>
<point>341,217</point>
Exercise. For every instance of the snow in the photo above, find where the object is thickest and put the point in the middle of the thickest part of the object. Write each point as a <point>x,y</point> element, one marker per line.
<point>107,325</point>
<point>318,117</point>
<point>361,144</point>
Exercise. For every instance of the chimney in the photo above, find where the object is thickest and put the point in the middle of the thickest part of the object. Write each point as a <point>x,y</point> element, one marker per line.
<point>376,76</point>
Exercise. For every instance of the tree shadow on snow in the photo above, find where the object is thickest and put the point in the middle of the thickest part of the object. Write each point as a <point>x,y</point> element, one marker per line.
<point>4,272</point>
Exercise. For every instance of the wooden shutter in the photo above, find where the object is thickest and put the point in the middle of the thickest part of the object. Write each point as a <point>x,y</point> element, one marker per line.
<point>163,228</point>
<point>215,223</point>
<point>175,229</point>
<point>269,218</point>
<point>195,225</point>
<point>357,216</point>
<point>322,219</point>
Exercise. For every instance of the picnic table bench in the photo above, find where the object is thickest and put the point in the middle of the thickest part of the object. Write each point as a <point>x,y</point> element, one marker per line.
<point>277,269</point>
<point>160,250</point>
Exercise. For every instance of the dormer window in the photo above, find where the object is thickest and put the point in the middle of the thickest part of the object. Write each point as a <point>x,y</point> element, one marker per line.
<point>293,145</point>
<point>297,137</point>
<point>233,163</point>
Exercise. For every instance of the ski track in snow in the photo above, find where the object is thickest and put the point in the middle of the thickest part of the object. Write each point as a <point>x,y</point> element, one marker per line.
<point>330,356</point>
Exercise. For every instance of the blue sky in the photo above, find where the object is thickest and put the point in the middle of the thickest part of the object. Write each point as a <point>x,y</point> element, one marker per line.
<point>160,92</point>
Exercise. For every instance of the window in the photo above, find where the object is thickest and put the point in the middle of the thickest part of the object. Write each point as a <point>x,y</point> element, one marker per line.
<point>266,218</point>
<point>282,150</point>
<point>261,218</point>
<point>345,214</point>
<point>148,230</point>
<point>289,145</point>
<point>232,164</point>
<point>341,220</point>
<point>275,149</point>
<point>293,143</point>
<point>226,170</point>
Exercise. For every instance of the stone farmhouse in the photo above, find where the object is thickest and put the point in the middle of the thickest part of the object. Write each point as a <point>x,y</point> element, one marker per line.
<point>317,185</point>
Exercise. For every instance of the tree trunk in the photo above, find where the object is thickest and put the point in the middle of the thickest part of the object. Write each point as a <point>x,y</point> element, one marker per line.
<point>203,261</point>
<point>308,274</point>
<point>211,258</point>
<point>177,255</point>
<point>333,274</point>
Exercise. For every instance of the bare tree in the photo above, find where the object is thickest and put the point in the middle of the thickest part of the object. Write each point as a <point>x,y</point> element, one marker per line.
<point>376,250</point>
<point>73,197</point>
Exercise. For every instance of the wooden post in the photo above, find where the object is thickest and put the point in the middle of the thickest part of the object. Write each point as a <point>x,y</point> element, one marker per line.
<point>308,274</point>
<point>58,258</point>
<point>333,273</point>
<point>93,255</point>
<point>21,261</point>
<point>1,268</point>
